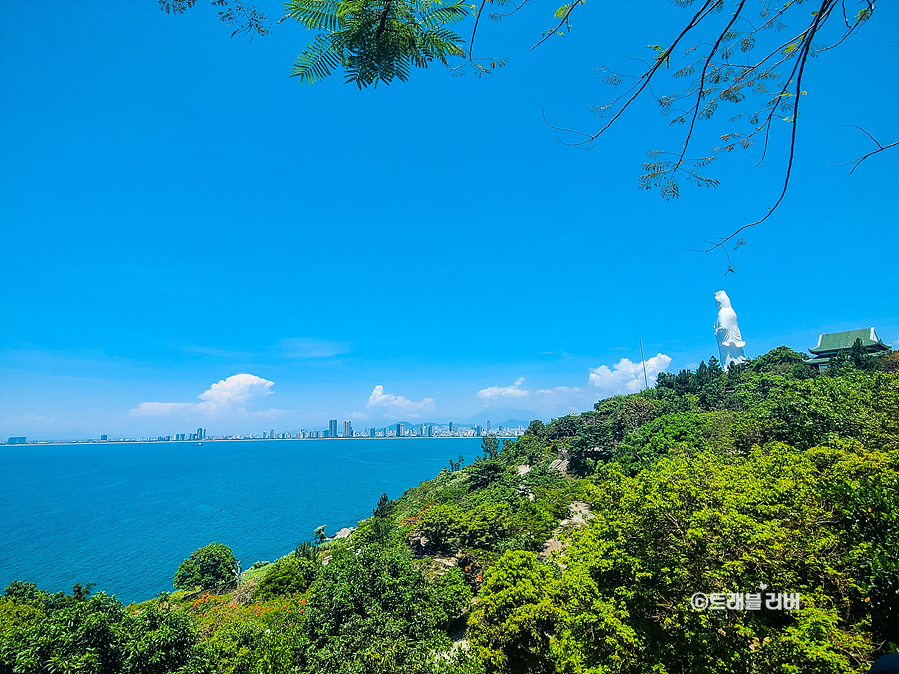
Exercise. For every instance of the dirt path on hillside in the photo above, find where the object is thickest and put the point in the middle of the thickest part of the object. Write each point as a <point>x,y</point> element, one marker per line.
<point>578,516</point>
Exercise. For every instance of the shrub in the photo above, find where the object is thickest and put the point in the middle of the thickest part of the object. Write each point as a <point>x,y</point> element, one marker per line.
<point>208,567</point>
<point>287,576</point>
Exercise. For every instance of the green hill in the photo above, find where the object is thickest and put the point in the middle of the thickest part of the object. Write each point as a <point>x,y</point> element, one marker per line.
<point>744,522</point>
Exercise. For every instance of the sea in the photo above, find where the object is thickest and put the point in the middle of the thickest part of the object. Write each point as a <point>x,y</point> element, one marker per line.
<point>124,515</point>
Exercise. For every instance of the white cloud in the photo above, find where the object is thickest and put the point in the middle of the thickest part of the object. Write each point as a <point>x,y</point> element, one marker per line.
<point>238,389</point>
<point>160,409</point>
<point>623,377</point>
<point>559,392</point>
<point>356,415</point>
<point>228,398</point>
<point>313,348</point>
<point>397,406</point>
<point>543,400</point>
<point>626,376</point>
<point>495,393</point>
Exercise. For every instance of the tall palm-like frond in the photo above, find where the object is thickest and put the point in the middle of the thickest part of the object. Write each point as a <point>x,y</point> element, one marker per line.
<point>317,61</point>
<point>375,40</point>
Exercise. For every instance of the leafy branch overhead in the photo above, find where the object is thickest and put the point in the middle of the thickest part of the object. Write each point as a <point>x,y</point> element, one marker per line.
<point>732,55</point>
<point>749,55</point>
<point>375,40</point>
<point>248,20</point>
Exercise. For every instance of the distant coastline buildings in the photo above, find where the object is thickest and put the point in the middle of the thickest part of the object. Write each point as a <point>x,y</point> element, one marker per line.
<point>828,346</point>
<point>400,429</point>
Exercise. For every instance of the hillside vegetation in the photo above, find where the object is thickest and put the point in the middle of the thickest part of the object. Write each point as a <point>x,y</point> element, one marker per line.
<point>577,548</point>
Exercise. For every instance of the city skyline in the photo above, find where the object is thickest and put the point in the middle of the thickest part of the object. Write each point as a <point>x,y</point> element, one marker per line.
<point>398,430</point>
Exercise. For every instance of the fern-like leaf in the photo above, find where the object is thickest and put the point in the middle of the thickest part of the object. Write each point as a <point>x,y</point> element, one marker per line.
<point>316,14</point>
<point>316,61</point>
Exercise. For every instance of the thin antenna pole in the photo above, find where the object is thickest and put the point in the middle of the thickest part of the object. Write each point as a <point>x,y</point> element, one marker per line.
<point>643,360</point>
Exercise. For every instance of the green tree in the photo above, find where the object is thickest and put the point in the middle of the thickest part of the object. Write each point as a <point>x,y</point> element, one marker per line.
<point>371,611</point>
<point>595,443</point>
<point>490,446</point>
<point>510,627</point>
<point>287,576</point>
<point>452,593</point>
<point>208,567</point>
<point>689,431</point>
<point>633,413</point>
<point>383,508</point>
<point>782,360</point>
<point>20,590</point>
<point>375,40</point>
<point>538,429</point>
<point>306,550</point>
<point>868,512</point>
<point>861,359</point>
<point>487,472</point>
<point>441,523</point>
<point>93,634</point>
<point>382,526</point>
<point>715,523</point>
<point>526,449</point>
<point>486,525</point>
<point>566,427</point>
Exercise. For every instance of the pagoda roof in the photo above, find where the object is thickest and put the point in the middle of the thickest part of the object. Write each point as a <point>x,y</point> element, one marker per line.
<point>829,343</point>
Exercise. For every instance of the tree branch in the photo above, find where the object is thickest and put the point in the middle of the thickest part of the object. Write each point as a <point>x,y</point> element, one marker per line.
<point>563,22</point>
<point>706,8</point>
<point>702,82</point>
<point>803,57</point>
<point>880,148</point>
<point>474,30</point>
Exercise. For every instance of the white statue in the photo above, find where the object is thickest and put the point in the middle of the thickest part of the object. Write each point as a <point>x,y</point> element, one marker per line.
<point>727,332</point>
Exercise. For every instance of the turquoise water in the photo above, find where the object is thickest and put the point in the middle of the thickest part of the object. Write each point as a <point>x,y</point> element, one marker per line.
<point>125,515</point>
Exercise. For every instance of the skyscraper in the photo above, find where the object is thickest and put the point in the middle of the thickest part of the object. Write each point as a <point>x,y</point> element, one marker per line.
<point>332,428</point>
<point>430,431</point>
<point>400,430</point>
<point>372,432</point>
<point>347,429</point>
<point>451,428</point>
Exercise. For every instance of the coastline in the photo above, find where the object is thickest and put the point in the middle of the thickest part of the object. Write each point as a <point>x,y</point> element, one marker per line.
<point>259,498</point>
<point>211,440</point>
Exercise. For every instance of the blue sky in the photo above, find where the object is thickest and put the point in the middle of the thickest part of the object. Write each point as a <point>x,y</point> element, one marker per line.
<point>177,211</point>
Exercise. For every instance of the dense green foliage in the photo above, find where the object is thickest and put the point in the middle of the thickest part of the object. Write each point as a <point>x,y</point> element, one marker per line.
<point>208,567</point>
<point>371,611</point>
<point>75,633</point>
<point>287,576</point>
<point>770,478</point>
<point>704,523</point>
<point>375,41</point>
